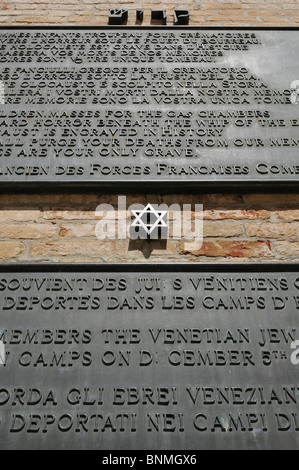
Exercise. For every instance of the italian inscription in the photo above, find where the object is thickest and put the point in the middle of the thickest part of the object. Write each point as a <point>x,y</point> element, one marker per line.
<point>142,359</point>
<point>122,105</point>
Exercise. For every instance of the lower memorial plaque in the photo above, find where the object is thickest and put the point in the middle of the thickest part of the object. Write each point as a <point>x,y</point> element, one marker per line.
<point>149,357</point>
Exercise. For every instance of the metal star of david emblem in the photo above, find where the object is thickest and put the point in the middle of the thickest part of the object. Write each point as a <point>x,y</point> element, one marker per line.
<point>149,223</point>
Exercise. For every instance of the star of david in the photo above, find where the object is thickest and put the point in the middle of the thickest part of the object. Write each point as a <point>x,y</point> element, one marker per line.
<point>149,219</point>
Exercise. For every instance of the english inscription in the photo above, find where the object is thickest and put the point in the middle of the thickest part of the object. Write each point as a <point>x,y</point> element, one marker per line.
<point>190,106</point>
<point>149,358</point>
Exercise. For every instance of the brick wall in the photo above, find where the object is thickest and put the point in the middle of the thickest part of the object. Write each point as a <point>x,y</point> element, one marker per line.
<point>237,227</point>
<point>93,12</point>
<point>59,227</point>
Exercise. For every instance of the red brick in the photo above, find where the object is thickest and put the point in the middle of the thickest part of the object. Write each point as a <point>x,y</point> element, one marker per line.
<point>236,249</point>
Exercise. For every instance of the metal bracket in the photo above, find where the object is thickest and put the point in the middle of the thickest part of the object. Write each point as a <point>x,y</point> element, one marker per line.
<point>117,16</point>
<point>159,14</point>
<point>181,16</point>
<point>139,14</point>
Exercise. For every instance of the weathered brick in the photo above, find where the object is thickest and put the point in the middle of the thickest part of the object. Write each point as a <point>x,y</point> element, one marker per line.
<point>79,18</point>
<point>270,198</point>
<point>288,214</point>
<point>38,20</point>
<point>236,214</point>
<point>218,199</point>
<point>47,250</point>
<point>27,231</point>
<point>157,247</point>
<point>69,215</point>
<point>287,248</point>
<point>170,248</point>
<point>224,6</point>
<point>272,230</point>
<point>69,200</point>
<point>90,230</point>
<point>236,249</point>
<point>77,230</point>
<point>19,215</point>
<point>222,229</point>
<point>180,199</point>
<point>116,199</point>
<point>10,249</point>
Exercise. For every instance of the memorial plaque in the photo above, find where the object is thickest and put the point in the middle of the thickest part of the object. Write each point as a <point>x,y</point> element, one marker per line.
<point>149,108</point>
<point>149,357</point>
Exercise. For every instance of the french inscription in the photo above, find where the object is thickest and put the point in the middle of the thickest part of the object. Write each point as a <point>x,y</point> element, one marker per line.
<point>186,105</point>
<point>149,360</point>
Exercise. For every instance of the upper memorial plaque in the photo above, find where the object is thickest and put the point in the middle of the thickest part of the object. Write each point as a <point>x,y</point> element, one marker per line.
<point>139,107</point>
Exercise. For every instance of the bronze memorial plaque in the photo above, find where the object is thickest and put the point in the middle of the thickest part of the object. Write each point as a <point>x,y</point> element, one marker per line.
<point>134,108</point>
<point>149,357</point>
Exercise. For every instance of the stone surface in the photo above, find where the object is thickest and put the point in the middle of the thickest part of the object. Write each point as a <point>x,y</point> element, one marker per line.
<point>232,135</point>
<point>28,231</point>
<point>10,249</point>
<point>141,357</point>
<point>222,229</point>
<point>288,214</point>
<point>269,217</point>
<point>238,214</point>
<point>46,250</point>
<point>287,248</point>
<point>19,215</point>
<point>273,230</point>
